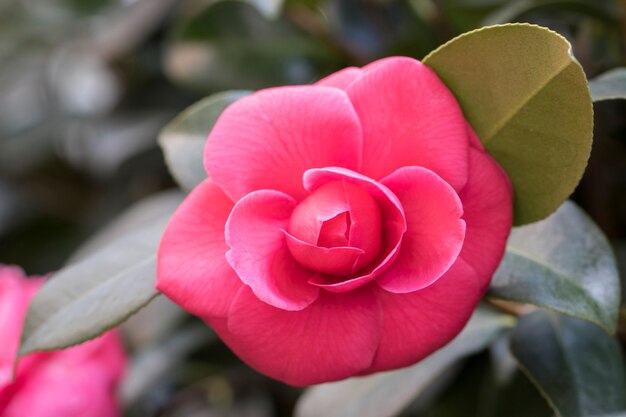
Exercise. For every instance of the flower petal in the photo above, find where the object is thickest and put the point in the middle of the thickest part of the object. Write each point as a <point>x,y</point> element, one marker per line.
<point>338,260</point>
<point>409,117</point>
<point>393,225</point>
<point>334,338</point>
<point>268,139</point>
<point>418,323</point>
<point>474,139</point>
<point>16,291</point>
<point>259,252</point>
<point>77,381</point>
<point>341,79</point>
<point>488,205</point>
<point>435,230</point>
<point>192,268</point>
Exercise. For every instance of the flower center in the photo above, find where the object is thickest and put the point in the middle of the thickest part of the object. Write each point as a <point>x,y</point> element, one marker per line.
<point>335,230</point>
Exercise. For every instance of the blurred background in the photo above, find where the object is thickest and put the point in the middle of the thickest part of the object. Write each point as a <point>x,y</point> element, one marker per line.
<point>86,85</point>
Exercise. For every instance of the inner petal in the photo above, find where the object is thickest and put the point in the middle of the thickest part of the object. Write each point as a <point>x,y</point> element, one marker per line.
<point>335,231</point>
<point>390,224</point>
<point>338,260</point>
<point>338,215</point>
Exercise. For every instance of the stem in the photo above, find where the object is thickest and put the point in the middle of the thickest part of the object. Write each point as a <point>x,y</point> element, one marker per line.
<point>510,307</point>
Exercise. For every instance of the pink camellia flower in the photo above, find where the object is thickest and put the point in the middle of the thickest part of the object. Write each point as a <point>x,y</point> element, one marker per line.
<point>345,228</point>
<point>75,382</point>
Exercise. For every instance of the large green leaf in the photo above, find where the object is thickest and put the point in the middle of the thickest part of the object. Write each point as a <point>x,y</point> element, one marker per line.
<point>609,86</point>
<point>141,214</point>
<point>563,263</point>
<point>528,100</point>
<point>387,393</point>
<point>83,300</point>
<point>577,366</point>
<point>183,139</point>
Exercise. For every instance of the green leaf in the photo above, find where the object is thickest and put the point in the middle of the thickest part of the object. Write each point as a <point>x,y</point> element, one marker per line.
<point>563,263</point>
<point>83,300</point>
<point>387,393</point>
<point>609,86</point>
<point>183,139</point>
<point>153,208</point>
<point>527,98</point>
<point>577,367</point>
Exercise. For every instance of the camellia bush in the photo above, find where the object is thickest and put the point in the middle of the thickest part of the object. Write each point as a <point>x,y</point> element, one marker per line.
<point>385,239</point>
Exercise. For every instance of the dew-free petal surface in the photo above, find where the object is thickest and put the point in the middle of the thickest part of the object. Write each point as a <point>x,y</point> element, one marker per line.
<point>393,225</point>
<point>418,323</point>
<point>342,78</point>
<point>259,253</point>
<point>268,139</point>
<point>192,268</point>
<point>334,338</point>
<point>339,260</point>
<point>435,230</point>
<point>409,117</point>
<point>78,381</point>
<point>15,294</point>
<point>488,213</point>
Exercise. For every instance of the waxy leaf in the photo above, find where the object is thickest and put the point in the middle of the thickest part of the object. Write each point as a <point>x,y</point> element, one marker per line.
<point>385,394</point>
<point>144,213</point>
<point>183,139</point>
<point>609,86</point>
<point>528,100</point>
<point>577,366</point>
<point>83,300</point>
<point>563,263</point>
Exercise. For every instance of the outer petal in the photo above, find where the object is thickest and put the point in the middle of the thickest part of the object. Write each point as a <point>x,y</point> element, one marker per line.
<point>16,292</point>
<point>259,252</point>
<point>416,324</point>
<point>435,230</point>
<point>79,381</point>
<point>333,338</point>
<point>474,139</point>
<point>488,204</point>
<point>341,79</point>
<point>192,267</point>
<point>409,117</point>
<point>54,394</point>
<point>267,140</point>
